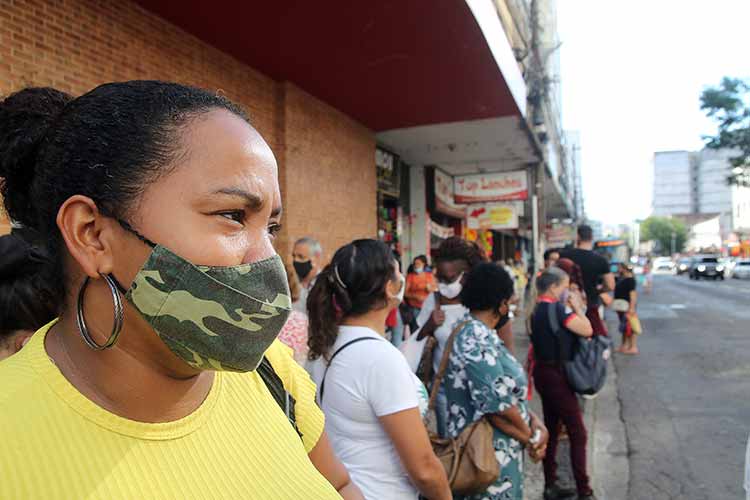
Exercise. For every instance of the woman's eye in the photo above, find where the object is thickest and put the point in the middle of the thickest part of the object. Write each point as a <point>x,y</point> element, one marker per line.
<point>273,229</point>
<point>234,215</point>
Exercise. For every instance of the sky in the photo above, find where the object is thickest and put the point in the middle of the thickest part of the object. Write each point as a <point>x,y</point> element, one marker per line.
<point>631,77</point>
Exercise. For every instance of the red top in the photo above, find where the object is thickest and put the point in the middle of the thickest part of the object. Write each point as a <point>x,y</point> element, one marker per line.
<point>547,300</point>
<point>418,288</point>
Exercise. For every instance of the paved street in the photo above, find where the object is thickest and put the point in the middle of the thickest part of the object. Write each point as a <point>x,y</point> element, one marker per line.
<point>685,398</point>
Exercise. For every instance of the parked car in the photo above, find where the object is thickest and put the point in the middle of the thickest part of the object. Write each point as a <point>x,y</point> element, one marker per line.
<point>706,267</point>
<point>683,266</point>
<point>663,265</point>
<point>741,269</point>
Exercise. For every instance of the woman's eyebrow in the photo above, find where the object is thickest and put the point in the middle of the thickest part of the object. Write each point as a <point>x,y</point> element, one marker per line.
<point>252,200</point>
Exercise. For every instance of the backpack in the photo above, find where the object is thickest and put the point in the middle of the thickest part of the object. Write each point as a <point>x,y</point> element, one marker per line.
<point>587,369</point>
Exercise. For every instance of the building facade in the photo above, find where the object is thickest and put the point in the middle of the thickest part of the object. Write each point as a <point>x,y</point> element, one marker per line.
<point>360,102</point>
<point>693,186</point>
<point>674,183</point>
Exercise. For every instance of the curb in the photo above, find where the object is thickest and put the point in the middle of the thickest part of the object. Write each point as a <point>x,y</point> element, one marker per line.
<point>608,449</point>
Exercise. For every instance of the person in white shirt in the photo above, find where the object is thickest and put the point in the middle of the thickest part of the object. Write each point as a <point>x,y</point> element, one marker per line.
<point>372,401</point>
<point>455,258</point>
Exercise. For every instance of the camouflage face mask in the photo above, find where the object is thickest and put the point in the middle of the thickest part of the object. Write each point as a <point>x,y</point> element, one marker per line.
<point>214,318</point>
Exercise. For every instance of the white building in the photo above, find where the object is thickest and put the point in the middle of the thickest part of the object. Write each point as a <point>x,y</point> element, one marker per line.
<point>705,235</point>
<point>714,194</point>
<point>673,183</point>
<point>741,210</point>
<point>693,184</point>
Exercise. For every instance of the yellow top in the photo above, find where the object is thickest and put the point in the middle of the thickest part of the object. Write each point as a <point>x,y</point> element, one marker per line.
<point>56,443</point>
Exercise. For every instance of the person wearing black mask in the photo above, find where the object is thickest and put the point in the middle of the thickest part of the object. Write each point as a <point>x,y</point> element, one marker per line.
<point>307,257</point>
<point>483,379</point>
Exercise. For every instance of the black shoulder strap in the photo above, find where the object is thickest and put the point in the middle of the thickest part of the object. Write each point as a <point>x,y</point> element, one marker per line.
<point>280,394</point>
<point>554,322</point>
<point>330,361</point>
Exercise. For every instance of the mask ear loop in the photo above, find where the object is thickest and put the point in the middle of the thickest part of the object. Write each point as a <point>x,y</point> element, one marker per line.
<point>119,316</point>
<point>127,227</point>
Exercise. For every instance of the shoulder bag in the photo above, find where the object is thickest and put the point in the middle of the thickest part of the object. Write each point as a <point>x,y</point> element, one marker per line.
<point>586,369</point>
<point>469,459</point>
<point>621,305</point>
<point>282,397</point>
<point>425,371</point>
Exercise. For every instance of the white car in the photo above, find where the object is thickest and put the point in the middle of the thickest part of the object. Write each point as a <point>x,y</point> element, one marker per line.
<point>663,265</point>
<point>741,269</point>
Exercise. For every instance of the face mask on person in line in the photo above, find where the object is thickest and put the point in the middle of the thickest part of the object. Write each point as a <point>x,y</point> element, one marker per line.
<point>212,317</point>
<point>451,290</point>
<point>400,295</point>
<point>504,318</point>
<point>419,270</point>
<point>303,269</point>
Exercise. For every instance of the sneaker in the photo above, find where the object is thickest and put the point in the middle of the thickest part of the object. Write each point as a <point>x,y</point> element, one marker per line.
<point>554,492</point>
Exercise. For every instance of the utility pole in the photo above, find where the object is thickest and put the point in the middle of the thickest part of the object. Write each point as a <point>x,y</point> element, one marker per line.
<point>674,242</point>
<point>535,99</point>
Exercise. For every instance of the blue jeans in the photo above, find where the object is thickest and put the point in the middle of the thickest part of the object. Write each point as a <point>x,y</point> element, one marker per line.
<point>397,332</point>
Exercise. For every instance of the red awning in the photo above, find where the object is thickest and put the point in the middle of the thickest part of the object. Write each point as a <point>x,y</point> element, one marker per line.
<point>388,64</point>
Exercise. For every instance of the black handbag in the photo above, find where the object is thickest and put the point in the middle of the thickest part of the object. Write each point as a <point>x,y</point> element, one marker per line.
<point>586,369</point>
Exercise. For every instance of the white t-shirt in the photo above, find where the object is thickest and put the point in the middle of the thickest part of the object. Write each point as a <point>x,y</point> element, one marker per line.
<point>367,380</point>
<point>453,313</point>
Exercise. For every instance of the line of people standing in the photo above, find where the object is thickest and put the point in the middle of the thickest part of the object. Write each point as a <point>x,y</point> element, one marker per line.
<point>373,401</point>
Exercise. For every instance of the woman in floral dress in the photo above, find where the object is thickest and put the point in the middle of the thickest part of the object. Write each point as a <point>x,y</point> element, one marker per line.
<point>484,380</point>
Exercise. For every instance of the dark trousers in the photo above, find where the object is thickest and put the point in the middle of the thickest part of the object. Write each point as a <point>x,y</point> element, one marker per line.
<point>560,404</point>
<point>597,323</point>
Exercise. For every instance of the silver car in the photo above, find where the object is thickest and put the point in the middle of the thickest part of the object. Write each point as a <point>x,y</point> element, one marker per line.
<point>741,269</point>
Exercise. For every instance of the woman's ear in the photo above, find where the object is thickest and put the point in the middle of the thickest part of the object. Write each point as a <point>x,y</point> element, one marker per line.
<point>88,235</point>
<point>504,308</point>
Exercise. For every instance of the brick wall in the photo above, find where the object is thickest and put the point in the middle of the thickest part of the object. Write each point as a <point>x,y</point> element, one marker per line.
<point>75,45</point>
<point>329,179</point>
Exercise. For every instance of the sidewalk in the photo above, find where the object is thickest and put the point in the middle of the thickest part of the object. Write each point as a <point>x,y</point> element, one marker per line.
<point>607,444</point>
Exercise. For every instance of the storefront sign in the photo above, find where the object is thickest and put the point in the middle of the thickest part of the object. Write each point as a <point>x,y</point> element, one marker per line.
<point>492,216</point>
<point>441,232</point>
<point>444,196</point>
<point>483,188</point>
<point>559,235</point>
<point>387,171</point>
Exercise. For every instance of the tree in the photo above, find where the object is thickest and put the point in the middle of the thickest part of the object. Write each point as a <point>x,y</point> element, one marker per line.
<point>729,105</point>
<point>662,230</point>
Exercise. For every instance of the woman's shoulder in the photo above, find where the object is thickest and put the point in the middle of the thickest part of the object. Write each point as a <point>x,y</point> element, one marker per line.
<point>473,331</point>
<point>26,397</point>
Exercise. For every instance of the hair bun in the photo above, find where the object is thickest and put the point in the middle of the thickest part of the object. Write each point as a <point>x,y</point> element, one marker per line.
<point>25,117</point>
<point>18,257</point>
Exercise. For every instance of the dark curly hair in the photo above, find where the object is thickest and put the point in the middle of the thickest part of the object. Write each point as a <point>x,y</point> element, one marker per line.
<point>352,284</point>
<point>455,248</point>
<point>26,298</point>
<point>486,287</point>
<point>108,145</point>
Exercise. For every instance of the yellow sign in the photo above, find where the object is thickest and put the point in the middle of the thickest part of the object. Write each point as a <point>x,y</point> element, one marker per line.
<point>492,216</point>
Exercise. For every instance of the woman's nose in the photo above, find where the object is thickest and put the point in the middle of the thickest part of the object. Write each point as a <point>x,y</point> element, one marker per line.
<point>260,251</point>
